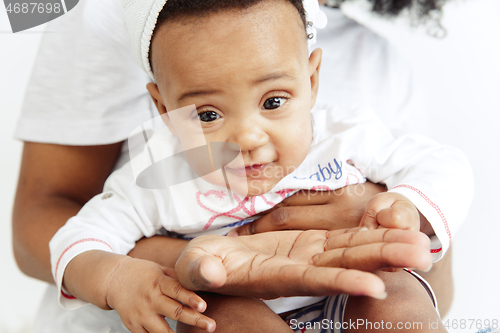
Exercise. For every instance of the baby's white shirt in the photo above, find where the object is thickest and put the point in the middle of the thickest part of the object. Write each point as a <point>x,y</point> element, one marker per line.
<point>349,146</point>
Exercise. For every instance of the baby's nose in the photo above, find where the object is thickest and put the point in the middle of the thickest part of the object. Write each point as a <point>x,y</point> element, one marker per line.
<point>249,136</point>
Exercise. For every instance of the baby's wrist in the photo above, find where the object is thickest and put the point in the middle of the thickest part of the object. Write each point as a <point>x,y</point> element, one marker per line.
<point>92,285</point>
<point>425,226</point>
<point>113,271</point>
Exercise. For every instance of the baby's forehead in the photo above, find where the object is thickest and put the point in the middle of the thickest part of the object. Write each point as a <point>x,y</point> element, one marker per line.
<point>271,32</point>
<point>192,11</point>
<point>142,18</point>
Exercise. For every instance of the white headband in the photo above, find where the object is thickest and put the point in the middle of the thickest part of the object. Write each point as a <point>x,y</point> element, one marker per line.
<point>141,15</point>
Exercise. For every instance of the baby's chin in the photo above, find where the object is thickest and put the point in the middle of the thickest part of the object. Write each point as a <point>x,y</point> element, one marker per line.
<point>248,183</point>
<point>260,187</point>
<point>243,186</point>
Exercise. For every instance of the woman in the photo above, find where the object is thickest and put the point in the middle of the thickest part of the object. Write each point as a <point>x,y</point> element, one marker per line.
<point>68,155</point>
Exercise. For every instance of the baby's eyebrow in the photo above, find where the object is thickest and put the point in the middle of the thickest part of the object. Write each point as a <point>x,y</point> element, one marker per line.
<point>267,77</point>
<point>275,76</point>
<point>197,93</point>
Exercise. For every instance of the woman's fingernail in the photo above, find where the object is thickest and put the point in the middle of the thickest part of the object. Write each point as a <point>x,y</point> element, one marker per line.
<point>204,276</point>
<point>232,233</point>
<point>380,296</point>
<point>363,229</point>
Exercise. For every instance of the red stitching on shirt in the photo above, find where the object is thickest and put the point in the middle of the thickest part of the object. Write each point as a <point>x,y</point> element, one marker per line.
<point>436,207</point>
<point>284,193</point>
<point>67,296</point>
<point>241,206</point>
<point>78,242</point>
<point>241,203</point>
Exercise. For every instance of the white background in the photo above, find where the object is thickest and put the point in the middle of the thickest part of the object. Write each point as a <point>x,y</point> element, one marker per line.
<point>460,80</point>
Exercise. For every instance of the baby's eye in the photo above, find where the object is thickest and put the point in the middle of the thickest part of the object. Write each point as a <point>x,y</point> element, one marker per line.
<point>274,103</point>
<point>208,116</point>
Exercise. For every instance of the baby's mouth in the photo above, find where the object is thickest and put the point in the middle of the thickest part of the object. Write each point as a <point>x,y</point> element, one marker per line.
<point>256,170</point>
<point>253,170</point>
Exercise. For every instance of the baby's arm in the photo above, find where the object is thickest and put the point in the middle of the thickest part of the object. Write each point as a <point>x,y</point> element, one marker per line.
<point>89,261</point>
<point>139,290</point>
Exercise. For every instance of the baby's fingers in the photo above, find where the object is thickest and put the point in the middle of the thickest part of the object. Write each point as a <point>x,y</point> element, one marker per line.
<point>176,311</point>
<point>391,210</point>
<point>401,215</point>
<point>173,289</point>
<point>369,219</point>
<point>158,324</point>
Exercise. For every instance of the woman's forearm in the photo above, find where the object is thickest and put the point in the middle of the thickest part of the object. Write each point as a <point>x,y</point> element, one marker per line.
<point>34,224</point>
<point>55,181</point>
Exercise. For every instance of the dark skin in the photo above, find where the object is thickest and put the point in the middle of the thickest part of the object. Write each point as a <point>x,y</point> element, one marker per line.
<point>55,181</point>
<point>47,197</point>
<point>57,203</point>
<point>402,288</point>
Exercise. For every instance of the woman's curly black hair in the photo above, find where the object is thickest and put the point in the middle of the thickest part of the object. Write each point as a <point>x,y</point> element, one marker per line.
<point>420,10</point>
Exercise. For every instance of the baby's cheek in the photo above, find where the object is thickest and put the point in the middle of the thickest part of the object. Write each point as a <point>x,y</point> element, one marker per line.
<point>294,136</point>
<point>295,149</point>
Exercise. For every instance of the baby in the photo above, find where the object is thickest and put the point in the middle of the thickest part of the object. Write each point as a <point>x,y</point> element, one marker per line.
<point>246,67</point>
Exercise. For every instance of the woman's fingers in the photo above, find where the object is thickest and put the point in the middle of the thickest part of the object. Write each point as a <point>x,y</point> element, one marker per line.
<point>309,280</point>
<point>375,249</point>
<point>321,210</point>
<point>295,218</point>
<point>348,194</point>
<point>306,198</point>
<point>371,257</point>
<point>354,237</point>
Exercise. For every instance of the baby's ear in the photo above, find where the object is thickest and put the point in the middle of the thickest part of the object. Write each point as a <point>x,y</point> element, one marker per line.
<point>156,96</point>
<point>160,105</point>
<point>314,65</point>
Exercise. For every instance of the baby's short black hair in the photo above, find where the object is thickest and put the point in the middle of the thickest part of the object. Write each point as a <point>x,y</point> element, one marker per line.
<point>175,9</point>
<point>179,9</point>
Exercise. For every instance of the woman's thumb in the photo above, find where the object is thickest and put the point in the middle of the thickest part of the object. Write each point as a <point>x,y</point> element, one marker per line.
<point>203,273</point>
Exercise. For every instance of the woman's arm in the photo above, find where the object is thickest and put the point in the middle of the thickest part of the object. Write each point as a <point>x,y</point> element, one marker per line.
<point>55,181</point>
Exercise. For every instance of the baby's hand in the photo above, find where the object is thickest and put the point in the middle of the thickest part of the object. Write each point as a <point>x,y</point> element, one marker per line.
<point>143,294</point>
<point>391,210</point>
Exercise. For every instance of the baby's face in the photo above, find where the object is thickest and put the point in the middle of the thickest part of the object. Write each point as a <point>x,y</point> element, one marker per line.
<point>251,79</point>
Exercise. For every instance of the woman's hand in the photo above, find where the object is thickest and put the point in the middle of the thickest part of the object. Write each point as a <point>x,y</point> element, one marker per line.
<point>299,263</point>
<point>321,210</point>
